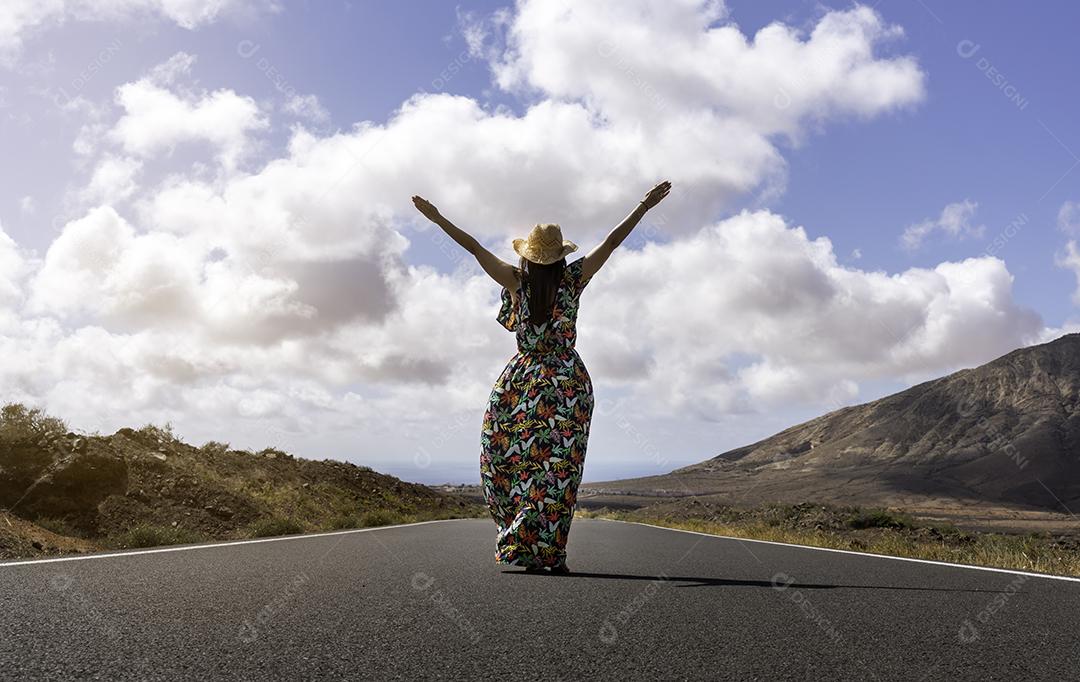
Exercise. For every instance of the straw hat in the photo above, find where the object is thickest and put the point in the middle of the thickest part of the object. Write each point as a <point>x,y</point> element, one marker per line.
<point>545,244</point>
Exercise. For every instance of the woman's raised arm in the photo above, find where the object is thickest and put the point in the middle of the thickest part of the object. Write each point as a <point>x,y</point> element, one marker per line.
<point>599,255</point>
<point>499,270</point>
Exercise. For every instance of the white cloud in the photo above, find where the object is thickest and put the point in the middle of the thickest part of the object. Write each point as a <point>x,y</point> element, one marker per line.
<point>281,292</point>
<point>20,18</point>
<point>1068,221</point>
<point>1071,261</point>
<point>89,139</point>
<point>113,180</point>
<point>1068,218</point>
<point>156,119</point>
<point>27,206</point>
<point>772,82</point>
<point>776,319</point>
<point>705,100</point>
<point>211,284</point>
<point>955,221</point>
<point>307,107</point>
<point>13,266</point>
<point>78,261</point>
<point>171,70</point>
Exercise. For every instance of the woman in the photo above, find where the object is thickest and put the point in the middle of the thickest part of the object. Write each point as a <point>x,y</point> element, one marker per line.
<point>536,427</point>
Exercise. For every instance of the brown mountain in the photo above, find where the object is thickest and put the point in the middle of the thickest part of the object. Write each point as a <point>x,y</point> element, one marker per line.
<point>1003,434</point>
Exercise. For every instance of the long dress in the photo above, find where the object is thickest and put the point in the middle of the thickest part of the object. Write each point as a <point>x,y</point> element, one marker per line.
<point>536,429</point>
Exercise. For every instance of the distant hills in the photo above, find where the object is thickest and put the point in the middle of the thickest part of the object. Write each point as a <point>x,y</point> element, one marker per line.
<point>1006,434</point>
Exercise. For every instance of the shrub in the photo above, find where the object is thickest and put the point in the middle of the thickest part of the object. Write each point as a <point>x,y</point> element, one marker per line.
<point>273,527</point>
<point>213,447</point>
<point>880,518</point>
<point>57,525</point>
<point>160,434</point>
<point>18,423</point>
<point>273,452</point>
<point>343,523</point>
<point>380,517</point>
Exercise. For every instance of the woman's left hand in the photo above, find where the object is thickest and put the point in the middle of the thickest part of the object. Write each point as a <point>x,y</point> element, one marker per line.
<point>426,207</point>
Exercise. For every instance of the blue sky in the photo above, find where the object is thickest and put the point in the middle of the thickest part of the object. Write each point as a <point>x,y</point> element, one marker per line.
<point>300,161</point>
<point>859,183</point>
<point>863,183</point>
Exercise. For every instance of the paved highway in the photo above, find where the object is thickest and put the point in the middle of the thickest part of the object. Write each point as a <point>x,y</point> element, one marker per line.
<point>426,601</point>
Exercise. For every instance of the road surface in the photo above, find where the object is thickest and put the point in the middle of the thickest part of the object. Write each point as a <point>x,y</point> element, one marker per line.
<point>427,601</point>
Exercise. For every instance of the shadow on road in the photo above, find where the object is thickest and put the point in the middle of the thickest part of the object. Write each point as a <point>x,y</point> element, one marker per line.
<point>728,582</point>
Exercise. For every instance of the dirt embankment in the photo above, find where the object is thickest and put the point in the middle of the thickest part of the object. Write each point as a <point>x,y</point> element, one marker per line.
<point>66,492</point>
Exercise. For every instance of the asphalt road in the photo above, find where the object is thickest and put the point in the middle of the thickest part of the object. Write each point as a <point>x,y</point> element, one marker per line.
<point>427,601</point>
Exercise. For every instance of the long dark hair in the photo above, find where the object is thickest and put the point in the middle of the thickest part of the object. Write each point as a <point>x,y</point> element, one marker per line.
<point>543,281</point>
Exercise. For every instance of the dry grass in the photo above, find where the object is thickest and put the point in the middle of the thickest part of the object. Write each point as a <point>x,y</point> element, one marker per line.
<point>147,535</point>
<point>19,423</point>
<point>1038,553</point>
<point>145,487</point>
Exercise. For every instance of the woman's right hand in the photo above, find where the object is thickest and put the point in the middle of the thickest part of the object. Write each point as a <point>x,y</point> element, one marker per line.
<point>656,194</point>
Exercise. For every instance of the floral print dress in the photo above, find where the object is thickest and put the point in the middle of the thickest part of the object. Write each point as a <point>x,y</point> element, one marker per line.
<point>536,429</point>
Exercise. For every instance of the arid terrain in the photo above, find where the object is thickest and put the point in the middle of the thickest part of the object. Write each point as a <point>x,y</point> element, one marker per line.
<point>991,449</point>
<point>62,491</point>
<point>995,447</point>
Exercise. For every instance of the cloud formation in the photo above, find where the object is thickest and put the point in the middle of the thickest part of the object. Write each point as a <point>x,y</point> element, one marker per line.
<point>1068,221</point>
<point>751,312</point>
<point>1068,218</point>
<point>706,101</point>
<point>955,221</point>
<point>21,18</point>
<point>282,290</point>
<point>1071,260</point>
<point>158,117</point>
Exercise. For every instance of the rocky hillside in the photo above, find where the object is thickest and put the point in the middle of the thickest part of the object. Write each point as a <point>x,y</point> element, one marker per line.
<point>62,491</point>
<point>1005,433</point>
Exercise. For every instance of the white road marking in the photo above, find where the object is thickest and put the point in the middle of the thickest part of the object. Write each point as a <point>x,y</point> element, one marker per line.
<point>210,545</point>
<point>184,548</point>
<point>848,551</point>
